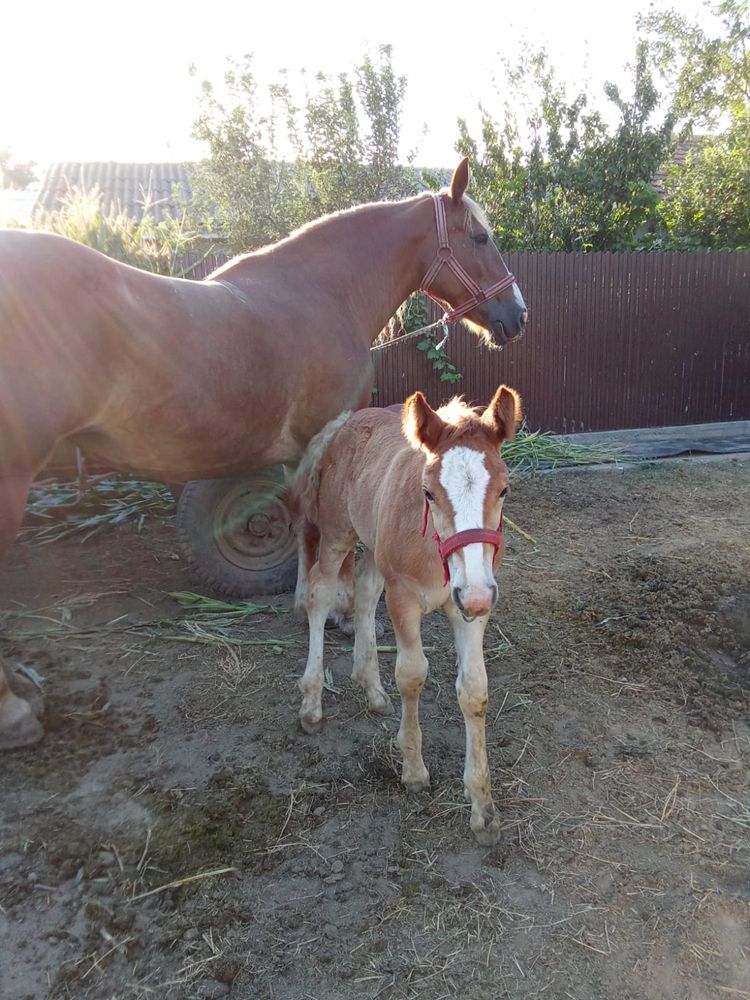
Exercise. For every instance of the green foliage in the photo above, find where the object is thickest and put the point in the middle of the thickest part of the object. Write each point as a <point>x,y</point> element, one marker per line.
<point>557,177</point>
<point>151,246</point>
<point>436,352</point>
<point>275,164</point>
<point>15,175</point>
<point>708,203</point>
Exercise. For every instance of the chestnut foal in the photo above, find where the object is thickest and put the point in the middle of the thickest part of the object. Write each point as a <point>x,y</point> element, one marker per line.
<point>381,480</point>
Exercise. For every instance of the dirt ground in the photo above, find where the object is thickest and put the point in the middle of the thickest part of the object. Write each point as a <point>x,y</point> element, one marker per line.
<point>619,744</point>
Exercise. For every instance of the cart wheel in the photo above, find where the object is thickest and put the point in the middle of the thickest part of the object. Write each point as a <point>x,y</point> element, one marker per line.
<point>237,533</point>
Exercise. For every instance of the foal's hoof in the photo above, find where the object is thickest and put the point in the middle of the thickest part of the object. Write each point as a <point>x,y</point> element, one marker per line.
<point>488,833</point>
<point>311,724</point>
<point>345,625</point>
<point>380,704</point>
<point>27,691</point>
<point>416,781</point>
<point>19,726</point>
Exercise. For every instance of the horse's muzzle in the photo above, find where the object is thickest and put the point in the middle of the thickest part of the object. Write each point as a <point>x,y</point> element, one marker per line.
<point>508,322</point>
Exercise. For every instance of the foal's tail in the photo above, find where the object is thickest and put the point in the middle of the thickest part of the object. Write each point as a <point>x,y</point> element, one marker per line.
<point>304,492</point>
<point>303,502</point>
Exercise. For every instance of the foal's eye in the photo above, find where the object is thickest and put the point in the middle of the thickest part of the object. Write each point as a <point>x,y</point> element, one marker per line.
<point>427,493</point>
<point>481,238</point>
<point>504,493</point>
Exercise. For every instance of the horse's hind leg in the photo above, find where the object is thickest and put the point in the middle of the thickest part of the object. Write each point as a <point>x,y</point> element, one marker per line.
<point>19,725</point>
<point>366,672</point>
<point>322,586</point>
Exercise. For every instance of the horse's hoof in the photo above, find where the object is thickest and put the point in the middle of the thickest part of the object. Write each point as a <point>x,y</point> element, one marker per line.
<point>19,726</point>
<point>311,724</point>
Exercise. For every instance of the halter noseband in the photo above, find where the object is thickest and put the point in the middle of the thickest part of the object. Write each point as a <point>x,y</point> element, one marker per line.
<point>445,256</point>
<point>461,539</point>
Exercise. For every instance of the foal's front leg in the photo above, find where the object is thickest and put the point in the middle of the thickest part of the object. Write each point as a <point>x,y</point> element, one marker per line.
<point>471,688</point>
<point>411,673</point>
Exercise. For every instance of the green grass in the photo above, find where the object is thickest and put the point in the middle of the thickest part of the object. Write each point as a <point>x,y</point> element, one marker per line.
<point>531,452</point>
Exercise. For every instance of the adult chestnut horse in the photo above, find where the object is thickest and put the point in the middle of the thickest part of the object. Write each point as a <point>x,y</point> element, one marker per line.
<point>178,380</point>
<point>379,479</point>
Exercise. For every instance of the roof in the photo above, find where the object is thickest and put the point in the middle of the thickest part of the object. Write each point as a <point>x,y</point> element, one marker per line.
<point>161,189</point>
<point>683,149</point>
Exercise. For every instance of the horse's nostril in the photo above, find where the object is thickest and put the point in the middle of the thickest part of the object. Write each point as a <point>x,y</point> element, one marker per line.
<point>524,317</point>
<point>457,599</point>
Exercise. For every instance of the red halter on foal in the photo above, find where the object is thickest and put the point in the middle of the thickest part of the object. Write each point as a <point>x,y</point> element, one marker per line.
<point>461,539</point>
<point>445,256</point>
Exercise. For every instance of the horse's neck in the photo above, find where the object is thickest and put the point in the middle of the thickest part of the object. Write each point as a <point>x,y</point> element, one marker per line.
<point>367,261</point>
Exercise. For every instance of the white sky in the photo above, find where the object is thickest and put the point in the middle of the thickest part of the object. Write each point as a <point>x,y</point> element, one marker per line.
<point>100,81</point>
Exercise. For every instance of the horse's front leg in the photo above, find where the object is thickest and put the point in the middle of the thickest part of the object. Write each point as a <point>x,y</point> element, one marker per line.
<point>471,688</point>
<point>19,726</point>
<point>411,673</point>
<point>321,594</point>
<point>366,671</point>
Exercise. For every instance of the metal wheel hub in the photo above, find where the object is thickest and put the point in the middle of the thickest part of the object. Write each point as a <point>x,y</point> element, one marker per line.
<point>252,526</point>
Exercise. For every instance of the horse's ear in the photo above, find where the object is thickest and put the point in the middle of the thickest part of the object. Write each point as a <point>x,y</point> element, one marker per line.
<point>421,426</point>
<point>503,415</point>
<point>460,180</point>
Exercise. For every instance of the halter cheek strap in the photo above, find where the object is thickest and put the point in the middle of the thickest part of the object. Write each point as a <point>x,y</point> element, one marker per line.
<point>461,539</point>
<point>446,258</point>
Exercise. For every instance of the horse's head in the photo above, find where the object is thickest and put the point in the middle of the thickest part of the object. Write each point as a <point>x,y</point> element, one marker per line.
<point>468,274</point>
<point>465,483</point>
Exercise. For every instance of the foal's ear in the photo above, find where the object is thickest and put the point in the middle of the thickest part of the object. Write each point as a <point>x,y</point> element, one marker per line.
<point>421,426</point>
<point>460,180</point>
<point>503,415</point>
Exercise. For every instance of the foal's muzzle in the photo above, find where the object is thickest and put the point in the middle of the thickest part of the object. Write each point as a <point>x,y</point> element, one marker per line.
<point>473,602</point>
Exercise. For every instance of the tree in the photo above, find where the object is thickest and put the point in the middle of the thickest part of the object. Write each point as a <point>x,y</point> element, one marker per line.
<point>558,178</point>
<point>15,175</point>
<point>274,165</point>
<point>708,72</point>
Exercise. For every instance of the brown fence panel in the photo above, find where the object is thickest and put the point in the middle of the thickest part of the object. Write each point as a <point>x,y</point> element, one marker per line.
<point>614,341</point>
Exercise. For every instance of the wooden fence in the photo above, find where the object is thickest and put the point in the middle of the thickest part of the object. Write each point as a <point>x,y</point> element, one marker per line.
<point>613,341</point>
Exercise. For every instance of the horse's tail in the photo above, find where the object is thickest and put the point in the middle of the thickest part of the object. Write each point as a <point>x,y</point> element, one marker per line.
<point>304,491</point>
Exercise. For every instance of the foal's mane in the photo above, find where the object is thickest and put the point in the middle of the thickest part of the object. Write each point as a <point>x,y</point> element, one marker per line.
<point>462,422</point>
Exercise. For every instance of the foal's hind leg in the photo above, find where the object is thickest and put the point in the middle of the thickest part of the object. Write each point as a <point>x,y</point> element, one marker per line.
<point>321,594</point>
<point>367,590</point>
<point>19,726</point>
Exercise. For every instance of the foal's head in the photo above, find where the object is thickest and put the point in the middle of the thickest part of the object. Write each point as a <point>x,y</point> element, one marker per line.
<point>465,482</point>
<point>502,316</point>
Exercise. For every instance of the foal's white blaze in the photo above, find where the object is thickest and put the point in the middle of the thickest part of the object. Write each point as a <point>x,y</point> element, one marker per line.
<point>464,477</point>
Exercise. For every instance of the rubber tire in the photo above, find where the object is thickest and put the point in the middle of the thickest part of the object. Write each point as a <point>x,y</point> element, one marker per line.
<point>199,518</point>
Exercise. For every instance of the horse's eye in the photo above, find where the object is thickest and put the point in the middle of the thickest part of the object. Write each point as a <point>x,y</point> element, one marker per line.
<point>504,493</point>
<point>481,238</point>
<point>427,493</point>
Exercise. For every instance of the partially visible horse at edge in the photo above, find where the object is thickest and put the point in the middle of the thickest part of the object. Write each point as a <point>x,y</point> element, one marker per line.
<point>177,380</point>
<point>380,480</point>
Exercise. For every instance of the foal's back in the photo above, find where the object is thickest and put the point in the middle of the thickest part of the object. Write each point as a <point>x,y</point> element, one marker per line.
<point>369,479</point>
